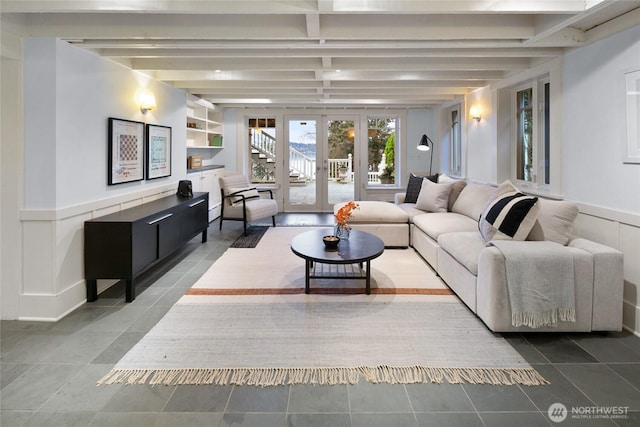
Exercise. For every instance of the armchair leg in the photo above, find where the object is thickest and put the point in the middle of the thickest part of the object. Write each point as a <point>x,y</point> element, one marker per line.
<point>273,220</point>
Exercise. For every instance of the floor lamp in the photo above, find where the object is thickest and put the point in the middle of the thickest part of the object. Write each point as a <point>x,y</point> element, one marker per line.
<point>426,144</point>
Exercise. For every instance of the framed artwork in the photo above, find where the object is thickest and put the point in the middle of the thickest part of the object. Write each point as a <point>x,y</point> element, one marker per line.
<point>632,147</point>
<point>158,151</point>
<point>126,151</point>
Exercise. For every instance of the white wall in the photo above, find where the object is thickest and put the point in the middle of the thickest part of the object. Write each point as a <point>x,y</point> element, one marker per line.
<point>595,123</point>
<point>481,146</point>
<point>11,173</point>
<point>69,94</point>
<point>594,135</point>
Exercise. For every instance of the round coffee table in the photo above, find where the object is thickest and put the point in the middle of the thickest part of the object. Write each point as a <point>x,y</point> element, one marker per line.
<point>361,248</point>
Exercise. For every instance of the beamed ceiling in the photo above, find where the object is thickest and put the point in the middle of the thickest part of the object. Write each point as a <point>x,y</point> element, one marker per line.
<point>324,53</point>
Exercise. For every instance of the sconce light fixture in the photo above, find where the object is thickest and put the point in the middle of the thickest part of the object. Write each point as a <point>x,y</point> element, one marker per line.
<point>425,145</point>
<point>147,101</point>
<point>474,112</point>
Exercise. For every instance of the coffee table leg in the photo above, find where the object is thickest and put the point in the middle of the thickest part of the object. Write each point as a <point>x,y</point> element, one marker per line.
<point>307,272</point>
<point>368,288</point>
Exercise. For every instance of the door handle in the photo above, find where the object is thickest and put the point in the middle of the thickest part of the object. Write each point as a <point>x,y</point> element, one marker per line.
<point>160,219</point>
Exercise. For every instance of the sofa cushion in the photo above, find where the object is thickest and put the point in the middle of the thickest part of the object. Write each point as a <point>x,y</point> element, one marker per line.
<point>414,185</point>
<point>472,200</point>
<point>372,211</point>
<point>437,223</point>
<point>555,221</point>
<point>465,247</point>
<point>434,197</point>
<point>410,209</point>
<point>509,217</point>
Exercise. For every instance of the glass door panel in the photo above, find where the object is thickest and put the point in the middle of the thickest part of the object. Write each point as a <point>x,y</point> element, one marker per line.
<point>340,176</point>
<point>320,162</point>
<point>302,156</point>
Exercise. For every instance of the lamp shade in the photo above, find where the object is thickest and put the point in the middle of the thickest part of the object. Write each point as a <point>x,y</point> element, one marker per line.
<point>424,143</point>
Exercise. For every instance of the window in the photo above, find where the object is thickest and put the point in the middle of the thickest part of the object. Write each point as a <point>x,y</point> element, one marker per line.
<point>524,135</point>
<point>455,166</point>
<point>262,148</point>
<point>382,154</point>
<point>532,134</point>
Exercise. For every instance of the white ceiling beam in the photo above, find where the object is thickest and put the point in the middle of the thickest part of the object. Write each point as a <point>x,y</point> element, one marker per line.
<point>325,63</point>
<point>300,6</point>
<point>248,51</point>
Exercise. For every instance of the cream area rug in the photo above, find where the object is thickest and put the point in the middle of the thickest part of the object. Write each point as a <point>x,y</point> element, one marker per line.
<point>247,321</point>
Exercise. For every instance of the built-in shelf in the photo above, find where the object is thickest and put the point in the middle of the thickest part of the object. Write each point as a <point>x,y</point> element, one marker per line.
<point>204,124</point>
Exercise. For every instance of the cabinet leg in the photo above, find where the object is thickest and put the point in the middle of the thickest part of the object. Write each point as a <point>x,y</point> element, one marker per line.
<point>92,290</point>
<point>204,235</point>
<point>130,290</point>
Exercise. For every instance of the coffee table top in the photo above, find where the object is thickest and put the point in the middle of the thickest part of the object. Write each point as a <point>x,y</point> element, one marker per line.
<point>360,247</point>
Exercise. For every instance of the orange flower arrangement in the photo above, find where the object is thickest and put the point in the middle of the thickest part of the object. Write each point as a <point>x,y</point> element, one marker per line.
<point>344,213</point>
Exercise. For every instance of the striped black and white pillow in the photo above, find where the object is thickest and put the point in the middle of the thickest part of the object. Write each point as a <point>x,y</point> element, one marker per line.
<point>510,216</point>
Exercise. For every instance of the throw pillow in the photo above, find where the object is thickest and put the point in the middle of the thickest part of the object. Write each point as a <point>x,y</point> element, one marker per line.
<point>248,193</point>
<point>555,221</point>
<point>509,217</point>
<point>414,185</point>
<point>434,197</point>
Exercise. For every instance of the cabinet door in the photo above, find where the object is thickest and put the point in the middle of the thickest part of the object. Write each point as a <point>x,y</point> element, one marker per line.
<point>169,234</point>
<point>194,218</point>
<point>210,184</point>
<point>144,242</point>
<point>196,181</point>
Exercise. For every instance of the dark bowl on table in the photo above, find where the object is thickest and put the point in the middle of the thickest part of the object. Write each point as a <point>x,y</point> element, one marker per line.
<point>331,242</point>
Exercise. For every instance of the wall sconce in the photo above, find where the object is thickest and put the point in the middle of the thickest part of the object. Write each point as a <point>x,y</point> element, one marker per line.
<point>474,112</point>
<point>147,101</point>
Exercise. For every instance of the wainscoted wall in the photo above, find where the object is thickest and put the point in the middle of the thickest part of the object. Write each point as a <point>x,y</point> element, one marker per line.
<point>620,230</point>
<point>53,248</point>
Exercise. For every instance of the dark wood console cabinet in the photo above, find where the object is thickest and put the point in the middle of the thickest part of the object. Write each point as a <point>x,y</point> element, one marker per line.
<point>124,244</point>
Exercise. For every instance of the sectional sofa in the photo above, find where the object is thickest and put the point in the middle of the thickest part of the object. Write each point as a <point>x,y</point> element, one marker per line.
<point>461,229</point>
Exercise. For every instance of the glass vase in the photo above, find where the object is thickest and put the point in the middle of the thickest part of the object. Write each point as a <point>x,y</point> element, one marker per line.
<point>342,231</point>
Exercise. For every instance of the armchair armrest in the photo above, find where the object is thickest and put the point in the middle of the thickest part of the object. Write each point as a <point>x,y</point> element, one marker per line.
<point>265,190</point>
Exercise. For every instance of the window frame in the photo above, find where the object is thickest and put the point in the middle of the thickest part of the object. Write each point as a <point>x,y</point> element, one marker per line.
<point>455,141</point>
<point>397,161</point>
<point>540,107</point>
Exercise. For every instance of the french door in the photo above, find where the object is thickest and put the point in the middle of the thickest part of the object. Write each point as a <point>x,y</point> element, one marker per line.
<point>320,158</point>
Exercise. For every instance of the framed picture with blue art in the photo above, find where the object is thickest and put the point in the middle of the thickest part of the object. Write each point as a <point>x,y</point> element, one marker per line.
<point>126,151</point>
<point>158,151</point>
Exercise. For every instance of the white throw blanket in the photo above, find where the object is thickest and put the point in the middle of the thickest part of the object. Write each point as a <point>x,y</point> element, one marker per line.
<point>540,282</point>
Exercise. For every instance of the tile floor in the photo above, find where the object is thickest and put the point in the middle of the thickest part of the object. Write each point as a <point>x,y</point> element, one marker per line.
<point>49,371</point>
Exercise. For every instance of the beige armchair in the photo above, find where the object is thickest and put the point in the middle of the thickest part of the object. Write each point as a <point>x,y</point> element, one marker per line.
<point>242,202</point>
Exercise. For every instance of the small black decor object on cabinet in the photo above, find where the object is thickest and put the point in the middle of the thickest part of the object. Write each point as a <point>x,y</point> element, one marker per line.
<point>124,244</point>
<point>185,188</point>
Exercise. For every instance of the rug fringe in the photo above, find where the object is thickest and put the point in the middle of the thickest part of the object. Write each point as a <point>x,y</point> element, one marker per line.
<point>264,377</point>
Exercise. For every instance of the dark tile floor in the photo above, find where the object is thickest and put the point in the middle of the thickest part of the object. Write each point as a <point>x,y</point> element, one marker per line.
<point>49,371</point>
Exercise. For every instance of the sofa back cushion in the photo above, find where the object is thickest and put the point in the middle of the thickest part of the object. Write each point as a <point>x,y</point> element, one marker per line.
<point>472,200</point>
<point>458,185</point>
<point>555,221</point>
